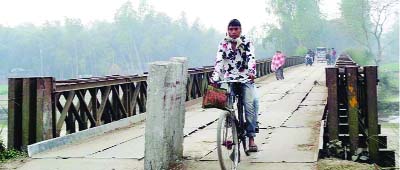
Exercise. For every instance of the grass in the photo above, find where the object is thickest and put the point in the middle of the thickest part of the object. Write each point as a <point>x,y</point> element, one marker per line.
<point>390,125</point>
<point>389,67</point>
<point>337,164</point>
<point>3,89</point>
<point>388,89</point>
<point>3,125</point>
<point>8,154</point>
<point>394,98</point>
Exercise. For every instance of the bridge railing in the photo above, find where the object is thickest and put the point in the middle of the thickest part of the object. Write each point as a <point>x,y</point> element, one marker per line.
<point>42,108</point>
<point>352,115</point>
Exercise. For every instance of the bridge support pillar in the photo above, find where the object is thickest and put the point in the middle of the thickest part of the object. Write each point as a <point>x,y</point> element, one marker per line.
<point>165,113</point>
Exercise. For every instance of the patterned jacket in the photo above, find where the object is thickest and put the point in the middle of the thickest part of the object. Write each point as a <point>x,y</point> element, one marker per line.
<point>234,65</point>
<point>278,60</point>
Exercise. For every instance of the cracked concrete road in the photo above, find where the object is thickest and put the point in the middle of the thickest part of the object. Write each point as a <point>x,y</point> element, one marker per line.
<point>290,114</point>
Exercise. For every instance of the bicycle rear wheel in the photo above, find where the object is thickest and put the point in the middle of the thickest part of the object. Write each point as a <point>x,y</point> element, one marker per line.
<point>227,142</point>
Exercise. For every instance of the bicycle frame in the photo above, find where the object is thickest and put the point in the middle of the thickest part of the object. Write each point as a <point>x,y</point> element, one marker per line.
<point>234,92</point>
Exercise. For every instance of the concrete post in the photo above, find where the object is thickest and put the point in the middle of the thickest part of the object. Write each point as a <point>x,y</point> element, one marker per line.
<point>165,114</point>
<point>181,74</point>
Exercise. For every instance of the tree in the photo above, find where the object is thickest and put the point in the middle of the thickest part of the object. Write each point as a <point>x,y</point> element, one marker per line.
<point>299,25</point>
<point>355,19</point>
<point>68,49</point>
<point>73,43</point>
<point>126,20</point>
<point>365,21</point>
<point>381,10</point>
<point>391,42</point>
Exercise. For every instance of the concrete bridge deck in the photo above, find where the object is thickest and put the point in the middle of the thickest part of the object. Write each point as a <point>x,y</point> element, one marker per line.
<point>290,116</point>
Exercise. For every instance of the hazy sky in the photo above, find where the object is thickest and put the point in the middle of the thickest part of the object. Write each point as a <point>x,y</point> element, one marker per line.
<point>212,13</point>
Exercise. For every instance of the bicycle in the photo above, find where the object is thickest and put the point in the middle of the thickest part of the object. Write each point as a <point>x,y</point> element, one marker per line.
<point>231,130</point>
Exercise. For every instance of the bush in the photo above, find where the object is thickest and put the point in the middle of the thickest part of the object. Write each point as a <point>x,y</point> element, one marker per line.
<point>360,56</point>
<point>388,108</point>
<point>7,154</point>
<point>11,154</point>
<point>301,51</point>
<point>3,89</point>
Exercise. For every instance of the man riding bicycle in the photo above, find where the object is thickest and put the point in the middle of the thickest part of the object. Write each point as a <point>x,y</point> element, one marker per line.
<point>235,60</point>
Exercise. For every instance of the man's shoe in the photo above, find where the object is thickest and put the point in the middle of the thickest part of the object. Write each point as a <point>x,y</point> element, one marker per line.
<point>253,148</point>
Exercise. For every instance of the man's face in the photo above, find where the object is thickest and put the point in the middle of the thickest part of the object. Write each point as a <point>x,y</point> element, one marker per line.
<point>234,31</point>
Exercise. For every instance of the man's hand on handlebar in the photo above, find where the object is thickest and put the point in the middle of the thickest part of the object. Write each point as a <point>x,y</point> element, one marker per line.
<point>251,76</point>
<point>214,83</point>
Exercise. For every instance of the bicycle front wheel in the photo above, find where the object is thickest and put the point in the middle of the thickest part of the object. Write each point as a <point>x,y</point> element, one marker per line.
<point>227,142</point>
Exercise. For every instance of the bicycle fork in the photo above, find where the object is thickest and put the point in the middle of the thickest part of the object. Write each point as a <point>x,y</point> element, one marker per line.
<point>242,126</point>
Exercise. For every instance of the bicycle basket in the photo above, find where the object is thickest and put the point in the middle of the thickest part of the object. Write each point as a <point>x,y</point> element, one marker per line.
<point>215,98</point>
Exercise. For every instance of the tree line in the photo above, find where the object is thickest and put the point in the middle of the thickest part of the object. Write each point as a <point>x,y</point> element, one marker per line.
<point>70,49</point>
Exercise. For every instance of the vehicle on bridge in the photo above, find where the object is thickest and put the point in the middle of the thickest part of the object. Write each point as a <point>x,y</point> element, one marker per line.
<point>320,53</point>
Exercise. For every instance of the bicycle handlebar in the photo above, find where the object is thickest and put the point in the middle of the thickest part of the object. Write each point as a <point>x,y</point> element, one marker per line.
<point>233,81</point>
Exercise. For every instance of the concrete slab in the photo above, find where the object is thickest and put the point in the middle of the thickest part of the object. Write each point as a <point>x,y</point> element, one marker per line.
<point>198,118</point>
<point>201,117</point>
<point>133,148</point>
<point>261,139</point>
<point>202,165</point>
<point>96,144</point>
<point>82,164</point>
<point>272,119</point>
<point>82,135</point>
<point>305,117</point>
<point>314,96</point>
<point>289,145</point>
<point>200,143</point>
<point>271,97</point>
<point>313,103</point>
<point>321,88</point>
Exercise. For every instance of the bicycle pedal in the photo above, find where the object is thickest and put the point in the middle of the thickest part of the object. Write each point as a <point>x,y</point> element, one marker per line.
<point>228,144</point>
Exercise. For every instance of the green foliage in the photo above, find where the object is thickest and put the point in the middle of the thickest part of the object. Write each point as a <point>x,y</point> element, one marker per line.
<point>3,89</point>
<point>391,43</point>
<point>360,56</point>
<point>7,154</point>
<point>300,24</point>
<point>365,20</point>
<point>390,67</point>
<point>11,154</point>
<point>360,22</point>
<point>355,18</point>
<point>388,89</point>
<point>394,126</point>
<point>301,51</point>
